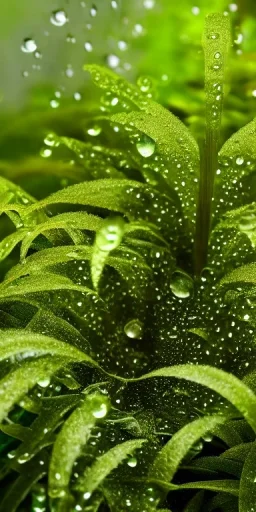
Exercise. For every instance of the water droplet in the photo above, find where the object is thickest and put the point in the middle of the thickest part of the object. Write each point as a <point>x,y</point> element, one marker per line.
<point>94,130</point>
<point>113,61</point>
<point>59,18</point>
<point>181,285</point>
<point>51,140</point>
<point>44,383</point>
<point>240,161</point>
<point>100,411</point>
<point>195,10</point>
<point>77,96</point>
<point>217,55</point>
<point>88,46</point>
<point>57,476</point>
<point>122,45</point>
<point>144,83</point>
<point>29,46</point>
<point>114,4</point>
<point>69,71</point>
<point>149,4</point>
<point>132,462</point>
<point>46,152</point>
<point>93,11</point>
<point>146,146</point>
<point>134,329</point>
<point>213,35</point>
<point>110,235</point>
<point>87,495</point>
<point>54,103</point>
<point>24,458</point>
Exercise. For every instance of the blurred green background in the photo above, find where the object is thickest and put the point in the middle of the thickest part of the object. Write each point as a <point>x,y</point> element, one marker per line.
<point>153,42</point>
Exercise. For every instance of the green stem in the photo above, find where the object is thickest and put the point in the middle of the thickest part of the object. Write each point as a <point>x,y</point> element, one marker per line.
<point>208,167</point>
<point>216,43</point>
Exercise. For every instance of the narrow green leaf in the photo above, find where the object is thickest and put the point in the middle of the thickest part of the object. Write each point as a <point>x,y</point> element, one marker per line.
<point>74,220</point>
<point>239,149</point>
<point>114,195</point>
<point>227,486</point>
<point>41,283</point>
<point>217,465</point>
<point>195,504</point>
<point>247,492</point>
<point>244,274</point>
<point>222,502</point>
<point>237,453</point>
<point>225,384</point>
<point>13,342</point>
<point>17,431</point>
<point>21,487</point>
<point>71,439</point>
<point>20,381</point>
<point>9,243</point>
<point>102,467</point>
<point>51,414</point>
<point>171,455</point>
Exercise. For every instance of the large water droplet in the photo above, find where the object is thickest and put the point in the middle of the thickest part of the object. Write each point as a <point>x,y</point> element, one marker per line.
<point>51,140</point>
<point>132,462</point>
<point>181,285</point>
<point>59,18</point>
<point>134,329</point>
<point>111,233</point>
<point>146,146</point>
<point>100,410</point>
<point>29,46</point>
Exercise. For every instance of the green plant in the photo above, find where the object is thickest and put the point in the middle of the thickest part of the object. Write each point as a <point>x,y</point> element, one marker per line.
<point>134,270</point>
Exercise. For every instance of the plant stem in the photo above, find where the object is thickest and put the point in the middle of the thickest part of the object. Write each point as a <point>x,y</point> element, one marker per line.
<point>216,43</point>
<point>208,167</point>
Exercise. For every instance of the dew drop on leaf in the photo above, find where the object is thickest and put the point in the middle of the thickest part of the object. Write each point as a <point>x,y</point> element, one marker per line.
<point>94,130</point>
<point>59,18</point>
<point>87,495</point>
<point>181,285</point>
<point>134,329</point>
<point>24,458</point>
<point>132,462</point>
<point>110,235</point>
<point>146,146</point>
<point>100,411</point>
<point>29,46</point>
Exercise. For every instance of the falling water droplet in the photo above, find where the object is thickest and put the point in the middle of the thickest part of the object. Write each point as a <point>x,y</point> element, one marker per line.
<point>29,46</point>
<point>146,146</point>
<point>59,18</point>
<point>110,235</point>
<point>134,329</point>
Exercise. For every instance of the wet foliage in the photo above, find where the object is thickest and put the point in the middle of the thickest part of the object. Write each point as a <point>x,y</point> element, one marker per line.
<point>127,307</point>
